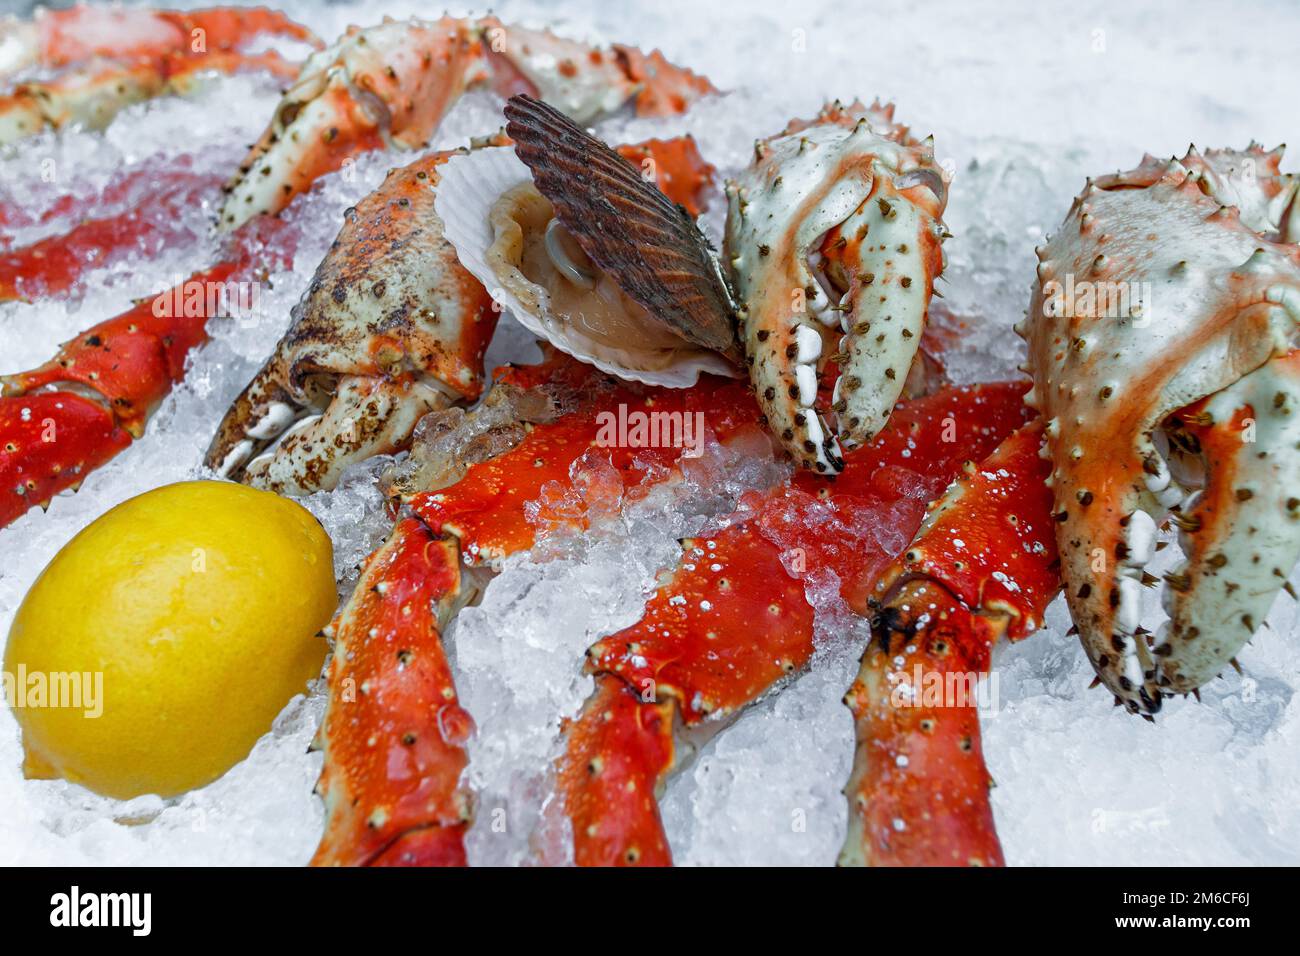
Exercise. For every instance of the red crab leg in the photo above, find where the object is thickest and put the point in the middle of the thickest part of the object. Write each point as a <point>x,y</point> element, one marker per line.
<point>730,621</point>
<point>84,33</point>
<point>372,792</point>
<point>113,58</point>
<point>984,565</point>
<point>123,192</point>
<point>52,266</point>
<point>394,734</point>
<point>126,365</point>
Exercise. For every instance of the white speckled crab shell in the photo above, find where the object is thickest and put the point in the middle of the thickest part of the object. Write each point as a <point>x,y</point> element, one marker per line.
<point>886,190</point>
<point>1214,298</point>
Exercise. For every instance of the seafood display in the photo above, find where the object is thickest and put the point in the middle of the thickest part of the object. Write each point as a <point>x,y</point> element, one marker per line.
<point>348,99</point>
<point>744,357</point>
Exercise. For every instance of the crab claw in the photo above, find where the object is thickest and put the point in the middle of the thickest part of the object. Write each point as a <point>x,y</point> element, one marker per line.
<point>384,85</point>
<point>392,84</point>
<point>391,327</point>
<point>1154,295</point>
<point>1241,532</point>
<point>835,226</point>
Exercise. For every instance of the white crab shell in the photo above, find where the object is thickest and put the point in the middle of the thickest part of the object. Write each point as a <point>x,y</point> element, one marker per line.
<point>1166,285</point>
<point>885,194</point>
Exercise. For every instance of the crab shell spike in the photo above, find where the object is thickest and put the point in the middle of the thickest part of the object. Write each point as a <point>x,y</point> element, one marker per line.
<point>869,207</point>
<point>394,733</point>
<point>391,327</point>
<point>982,566</point>
<point>1175,316</point>
<point>1246,522</point>
<point>389,84</point>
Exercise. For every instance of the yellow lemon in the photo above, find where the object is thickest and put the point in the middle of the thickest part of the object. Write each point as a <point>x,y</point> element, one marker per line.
<point>162,641</point>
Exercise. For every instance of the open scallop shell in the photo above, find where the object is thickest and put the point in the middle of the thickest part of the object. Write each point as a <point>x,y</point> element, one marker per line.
<point>469,198</point>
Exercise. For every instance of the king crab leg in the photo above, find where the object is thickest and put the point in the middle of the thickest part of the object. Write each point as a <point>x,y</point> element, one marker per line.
<point>983,566</point>
<point>393,735</point>
<point>111,58</point>
<point>54,266</point>
<point>60,421</point>
<point>730,622</point>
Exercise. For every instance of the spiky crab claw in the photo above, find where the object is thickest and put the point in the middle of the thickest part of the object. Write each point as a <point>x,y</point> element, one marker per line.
<point>833,238</point>
<point>1173,284</point>
<point>107,59</point>
<point>390,85</point>
<point>391,327</point>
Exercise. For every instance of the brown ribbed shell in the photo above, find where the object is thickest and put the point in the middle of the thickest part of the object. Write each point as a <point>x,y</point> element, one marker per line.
<point>650,247</point>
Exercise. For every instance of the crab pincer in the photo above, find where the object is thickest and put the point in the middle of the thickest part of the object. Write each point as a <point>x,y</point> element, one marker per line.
<point>1175,284</point>
<point>392,326</point>
<point>390,85</point>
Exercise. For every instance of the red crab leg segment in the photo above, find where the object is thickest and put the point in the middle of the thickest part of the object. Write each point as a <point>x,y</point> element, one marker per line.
<point>83,200</point>
<point>50,441</point>
<point>394,734</point>
<point>619,749</point>
<point>730,621</point>
<point>126,365</point>
<point>57,38</point>
<point>114,58</point>
<point>52,266</point>
<point>983,566</point>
